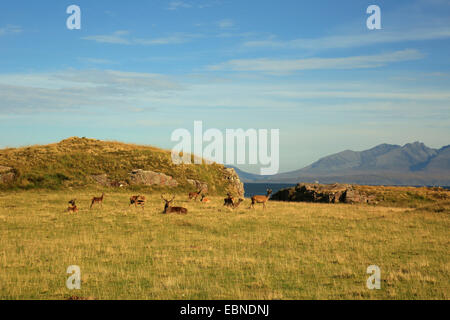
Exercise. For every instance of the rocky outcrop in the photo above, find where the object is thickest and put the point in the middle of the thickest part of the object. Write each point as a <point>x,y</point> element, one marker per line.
<point>7,175</point>
<point>101,179</point>
<point>325,193</point>
<point>199,185</point>
<point>235,185</point>
<point>150,178</point>
<point>354,196</point>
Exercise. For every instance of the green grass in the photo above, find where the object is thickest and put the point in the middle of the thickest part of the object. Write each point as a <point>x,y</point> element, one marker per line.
<point>289,251</point>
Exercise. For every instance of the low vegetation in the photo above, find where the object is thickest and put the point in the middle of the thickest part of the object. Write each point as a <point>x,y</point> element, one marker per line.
<point>288,251</point>
<point>409,197</point>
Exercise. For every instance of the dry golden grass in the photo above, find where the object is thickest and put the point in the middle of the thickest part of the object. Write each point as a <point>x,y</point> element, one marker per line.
<point>289,251</point>
<point>411,197</point>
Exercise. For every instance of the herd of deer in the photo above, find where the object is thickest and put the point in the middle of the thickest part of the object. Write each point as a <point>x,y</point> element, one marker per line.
<point>139,200</point>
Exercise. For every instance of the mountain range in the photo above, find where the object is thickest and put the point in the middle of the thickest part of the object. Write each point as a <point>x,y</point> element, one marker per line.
<point>385,164</point>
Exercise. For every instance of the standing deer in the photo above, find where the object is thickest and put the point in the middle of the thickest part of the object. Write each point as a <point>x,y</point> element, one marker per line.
<point>261,199</point>
<point>73,207</point>
<point>228,201</point>
<point>137,201</point>
<point>194,195</point>
<point>169,209</point>
<point>97,200</point>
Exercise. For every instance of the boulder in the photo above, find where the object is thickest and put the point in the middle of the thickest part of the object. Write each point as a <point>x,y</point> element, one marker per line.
<point>354,196</point>
<point>7,175</point>
<point>150,178</point>
<point>199,185</point>
<point>325,193</point>
<point>235,185</point>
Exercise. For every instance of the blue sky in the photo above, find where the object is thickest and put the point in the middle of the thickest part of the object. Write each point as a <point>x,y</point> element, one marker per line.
<point>138,70</point>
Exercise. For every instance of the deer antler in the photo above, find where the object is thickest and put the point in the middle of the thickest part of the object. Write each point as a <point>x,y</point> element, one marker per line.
<point>162,197</point>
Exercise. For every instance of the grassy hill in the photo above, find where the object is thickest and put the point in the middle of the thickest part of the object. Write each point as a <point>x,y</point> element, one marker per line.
<point>72,162</point>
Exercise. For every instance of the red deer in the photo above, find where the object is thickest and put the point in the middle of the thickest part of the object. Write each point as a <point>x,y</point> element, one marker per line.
<point>73,207</point>
<point>235,205</point>
<point>261,199</point>
<point>194,195</point>
<point>228,201</point>
<point>137,201</point>
<point>97,200</point>
<point>169,209</point>
<point>204,199</point>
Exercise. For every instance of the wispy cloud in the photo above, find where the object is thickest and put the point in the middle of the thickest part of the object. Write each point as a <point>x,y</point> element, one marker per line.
<point>171,39</point>
<point>180,4</point>
<point>174,5</point>
<point>96,60</point>
<point>279,66</point>
<point>10,29</point>
<point>124,38</point>
<point>358,40</point>
<point>73,89</point>
<point>118,37</point>
<point>363,94</point>
<point>225,24</point>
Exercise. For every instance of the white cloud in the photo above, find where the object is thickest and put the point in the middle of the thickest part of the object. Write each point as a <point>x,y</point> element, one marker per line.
<point>71,89</point>
<point>172,39</point>
<point>10,29</point>
<point>117,37</point>
<point>122,37</point>
<point>279,66</point>
<point>180,4</point>
<point>96,61</point>
<point>225,23</point>
<point>360,94</point>
<point>174,5</point>
<point>358,40</point>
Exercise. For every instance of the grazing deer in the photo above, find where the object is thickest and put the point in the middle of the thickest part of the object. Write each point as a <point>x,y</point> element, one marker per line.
<point>261,199</point>
<point>137,201</point>
<point>228,201</point>
<point>194,195</point>
<point>169,209</point>
<point>204,199</point>
<point>73,207</point>
<point>235,205</point>
<point>97,200</point>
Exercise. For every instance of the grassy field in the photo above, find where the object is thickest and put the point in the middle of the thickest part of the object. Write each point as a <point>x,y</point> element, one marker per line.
<point>289,251</point>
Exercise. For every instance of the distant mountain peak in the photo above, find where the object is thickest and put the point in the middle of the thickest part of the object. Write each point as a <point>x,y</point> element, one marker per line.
<point>411,164</point>
<point>416,144</point>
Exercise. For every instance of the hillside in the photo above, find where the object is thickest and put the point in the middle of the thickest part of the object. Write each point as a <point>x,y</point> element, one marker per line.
<point>79,162</point>
<point>385,164</point>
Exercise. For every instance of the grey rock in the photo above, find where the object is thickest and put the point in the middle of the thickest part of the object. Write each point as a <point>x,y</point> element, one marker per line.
<point>325,193</point>
<point>198,184</point>
<point>150,178</point>
<point>7,175</point>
